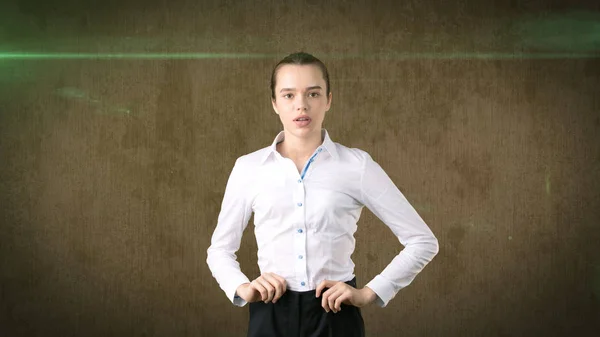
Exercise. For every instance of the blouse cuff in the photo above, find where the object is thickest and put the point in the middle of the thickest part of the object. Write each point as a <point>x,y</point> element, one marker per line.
<point>231,292</point>
<point>384,290</point>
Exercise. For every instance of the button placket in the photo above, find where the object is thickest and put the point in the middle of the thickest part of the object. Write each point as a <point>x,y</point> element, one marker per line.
<point>300,237</point>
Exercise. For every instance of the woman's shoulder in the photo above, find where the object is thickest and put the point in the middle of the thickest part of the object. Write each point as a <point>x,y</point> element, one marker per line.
<point>254,158</point>
<point>348,153</point>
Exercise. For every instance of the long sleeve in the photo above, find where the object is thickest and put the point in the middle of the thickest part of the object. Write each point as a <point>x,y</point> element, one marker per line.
<point>232,221</point>
<point>380,195</point>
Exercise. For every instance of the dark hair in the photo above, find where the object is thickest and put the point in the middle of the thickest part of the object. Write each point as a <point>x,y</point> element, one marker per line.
<point>300,58</point>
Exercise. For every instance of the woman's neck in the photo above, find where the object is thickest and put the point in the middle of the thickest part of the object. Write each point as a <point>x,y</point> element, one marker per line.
<point>298,148</point>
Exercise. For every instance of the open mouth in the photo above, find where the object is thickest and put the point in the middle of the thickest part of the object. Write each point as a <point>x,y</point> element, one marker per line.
<point>302,121</point>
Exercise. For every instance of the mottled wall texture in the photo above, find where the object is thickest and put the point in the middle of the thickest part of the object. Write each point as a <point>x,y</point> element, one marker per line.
<point>113,166</point>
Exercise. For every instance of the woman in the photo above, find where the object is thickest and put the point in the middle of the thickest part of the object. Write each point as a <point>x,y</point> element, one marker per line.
<point>307,193</point>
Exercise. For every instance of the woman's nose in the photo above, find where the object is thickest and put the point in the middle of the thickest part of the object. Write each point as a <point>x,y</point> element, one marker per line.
<point>301,103</point>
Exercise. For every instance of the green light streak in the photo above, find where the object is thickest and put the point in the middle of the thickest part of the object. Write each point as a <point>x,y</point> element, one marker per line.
<point>576,32</point>
<point>392,56</point>
<point>166,56</point>
<point>80,95</point>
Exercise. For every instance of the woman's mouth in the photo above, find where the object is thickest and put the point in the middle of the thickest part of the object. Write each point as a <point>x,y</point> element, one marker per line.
<point>302,121</point>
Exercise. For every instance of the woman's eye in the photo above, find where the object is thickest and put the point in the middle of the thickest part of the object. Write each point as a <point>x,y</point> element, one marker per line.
<point>312,94</point>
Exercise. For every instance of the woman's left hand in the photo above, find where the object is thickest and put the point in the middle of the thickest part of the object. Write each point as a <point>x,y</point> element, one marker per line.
<point>340,292</point>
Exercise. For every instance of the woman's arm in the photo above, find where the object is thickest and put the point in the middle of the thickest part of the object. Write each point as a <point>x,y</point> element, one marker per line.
<point>384,199</point>
<point>233,219</point>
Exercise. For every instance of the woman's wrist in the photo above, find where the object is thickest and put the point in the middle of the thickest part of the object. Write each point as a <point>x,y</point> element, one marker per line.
<point>369,295</point>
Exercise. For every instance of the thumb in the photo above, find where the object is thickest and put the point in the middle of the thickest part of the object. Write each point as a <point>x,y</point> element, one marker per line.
<point>253,293</point>
<point>324,284</point>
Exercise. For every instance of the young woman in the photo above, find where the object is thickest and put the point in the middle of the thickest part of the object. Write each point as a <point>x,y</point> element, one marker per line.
<point>307,193</point>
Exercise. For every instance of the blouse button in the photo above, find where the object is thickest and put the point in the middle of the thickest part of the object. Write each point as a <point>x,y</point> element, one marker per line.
<point>299,204</point>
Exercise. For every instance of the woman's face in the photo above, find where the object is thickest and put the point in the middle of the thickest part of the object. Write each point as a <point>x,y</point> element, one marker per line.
<point>300,92</point>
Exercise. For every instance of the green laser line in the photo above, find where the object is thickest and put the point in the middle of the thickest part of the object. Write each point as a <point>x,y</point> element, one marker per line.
<point>61,56</point>
<point>80,95</point>
<point>397,56</point>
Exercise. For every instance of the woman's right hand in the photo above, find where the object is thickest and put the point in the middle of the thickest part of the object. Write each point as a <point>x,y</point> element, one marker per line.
<point>267,287</point>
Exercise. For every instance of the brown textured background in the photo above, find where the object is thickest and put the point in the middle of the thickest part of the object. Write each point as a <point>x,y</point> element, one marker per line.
<point>106,215</point>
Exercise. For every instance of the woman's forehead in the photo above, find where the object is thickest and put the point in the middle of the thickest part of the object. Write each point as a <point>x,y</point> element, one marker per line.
<point>299,75</point>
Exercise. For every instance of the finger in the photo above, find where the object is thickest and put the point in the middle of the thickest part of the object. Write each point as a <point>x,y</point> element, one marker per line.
<point>281,280</point>
<point>270,289</point>
<point>341,299</point>
<point>325,299</point>
<point>261,289</point>
<point>332,298</point>
<point>276,285</point>
<point>255,293</point>
<point>324,284</point>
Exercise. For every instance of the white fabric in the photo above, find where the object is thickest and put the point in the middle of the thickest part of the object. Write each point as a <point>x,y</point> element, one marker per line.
<point>305,223</point>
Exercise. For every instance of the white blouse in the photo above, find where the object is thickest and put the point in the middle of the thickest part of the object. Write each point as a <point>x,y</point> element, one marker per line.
<point>304,223</point>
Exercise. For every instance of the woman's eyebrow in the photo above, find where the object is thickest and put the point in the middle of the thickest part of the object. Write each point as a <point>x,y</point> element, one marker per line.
<point>308,88</point>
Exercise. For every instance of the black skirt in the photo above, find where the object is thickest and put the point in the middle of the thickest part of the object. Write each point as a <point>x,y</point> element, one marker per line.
<point>300,314</point>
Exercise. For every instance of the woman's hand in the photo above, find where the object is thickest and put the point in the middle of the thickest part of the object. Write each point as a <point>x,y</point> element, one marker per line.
<point>267,287</point>
<point>340,292</point>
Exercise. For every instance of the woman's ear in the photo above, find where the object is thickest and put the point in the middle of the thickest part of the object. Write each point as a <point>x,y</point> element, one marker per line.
<point>274,107</point>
